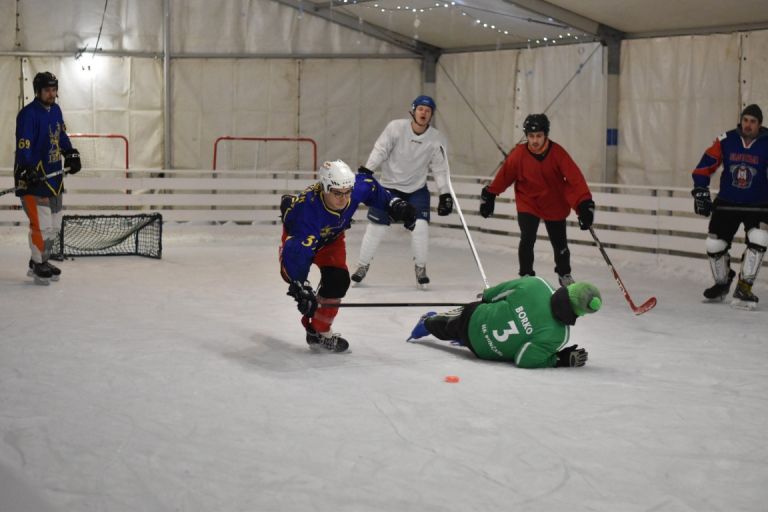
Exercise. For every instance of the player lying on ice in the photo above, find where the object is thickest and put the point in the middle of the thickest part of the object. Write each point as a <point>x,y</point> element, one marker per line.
<point>524,321</point>
<point>313,232</point>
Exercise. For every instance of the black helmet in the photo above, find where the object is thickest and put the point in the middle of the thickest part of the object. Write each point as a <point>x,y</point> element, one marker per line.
<point>536,123</point>
<point>44,79</point>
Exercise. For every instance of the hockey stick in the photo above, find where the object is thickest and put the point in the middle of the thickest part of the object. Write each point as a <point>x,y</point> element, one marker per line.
<point>466,229</point>
<point>741,209</point>
<point>57,173</point>
<point>397,304</point>
<point>638,310</point>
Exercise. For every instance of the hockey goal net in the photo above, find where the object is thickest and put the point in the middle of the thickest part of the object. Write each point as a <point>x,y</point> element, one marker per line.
<point>231,152</point>
<point>102,151</point>
<point>110,235</point>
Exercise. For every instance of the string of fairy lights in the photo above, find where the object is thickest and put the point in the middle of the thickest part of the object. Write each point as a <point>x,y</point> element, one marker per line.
<point>477,20</point>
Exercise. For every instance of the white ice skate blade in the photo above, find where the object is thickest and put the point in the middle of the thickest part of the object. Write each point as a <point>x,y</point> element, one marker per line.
<point>423,287</point>
<point>716,300</point>
<point>743,305</point>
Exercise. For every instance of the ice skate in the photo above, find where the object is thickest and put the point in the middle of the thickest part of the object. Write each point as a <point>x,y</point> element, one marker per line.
<point>330,340</point>
<point>40,273</point>
<point>743,298</point>
<point>718,292</point>
<point>360,273</point>
<point>421,330</point>
<point>565,280</point>
<point>421,276</point>
<point>55,271</point>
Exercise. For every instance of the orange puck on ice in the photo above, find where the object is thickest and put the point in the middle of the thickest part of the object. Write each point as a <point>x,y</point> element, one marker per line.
<point>453,379</point>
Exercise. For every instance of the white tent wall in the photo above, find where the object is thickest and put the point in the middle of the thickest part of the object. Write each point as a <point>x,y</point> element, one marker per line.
<point>67,25</point>
<point>9,107</point>
<point>262,26</point>
<point>754,70</point>
<point>487,81</point>
<point>345,104</point>
<point>678,94</point>
<point>216,97</point>
<point>504,87</point>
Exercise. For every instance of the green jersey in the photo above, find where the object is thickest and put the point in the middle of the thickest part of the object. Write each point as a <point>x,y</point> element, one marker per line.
<point>515,323</point>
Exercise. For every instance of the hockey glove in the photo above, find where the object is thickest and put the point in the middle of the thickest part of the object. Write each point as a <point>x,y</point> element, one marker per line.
<point>27,176</point>
<point>702,201</point>
<point>404,211</point>
<point>487,203</point>
<point>364,170</point>
<point>586,214</point>
<point>72,160</point>
<point>305,298</point>
<point>571,356</point>
<point>445,206</point>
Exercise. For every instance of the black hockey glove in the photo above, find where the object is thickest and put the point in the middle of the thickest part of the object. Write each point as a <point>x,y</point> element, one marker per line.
<point>72,160</point>
<point>445,206</point>
<point>586,214</point>
<point>404,211</point>
<point>571,356</point>
<point>702,201</point>
<point>364,170</point>
<point>27,176</point>
<point>487,203</point>
<point>305,298</point>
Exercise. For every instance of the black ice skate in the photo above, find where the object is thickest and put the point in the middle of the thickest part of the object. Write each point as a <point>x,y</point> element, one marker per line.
<point>718,292</point>
<point>743,298</point>
<point>565,280</point>
<point>55,271</point>
<point>421,276</point>
<point>359,274</point>
<point>330,341</point>
<point>40,273</point>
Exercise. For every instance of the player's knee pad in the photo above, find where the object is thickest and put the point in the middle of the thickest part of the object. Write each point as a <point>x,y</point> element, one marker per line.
<point>719,259</point>
<point>334,282</point>
<point>757,238</point>
<point>716,246</point>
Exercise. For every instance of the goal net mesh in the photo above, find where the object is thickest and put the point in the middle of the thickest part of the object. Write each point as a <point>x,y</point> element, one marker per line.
<point>110,235</point>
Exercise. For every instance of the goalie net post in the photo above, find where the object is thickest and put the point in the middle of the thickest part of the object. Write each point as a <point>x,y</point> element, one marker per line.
<point>102,151</point>
<point>260,153</point>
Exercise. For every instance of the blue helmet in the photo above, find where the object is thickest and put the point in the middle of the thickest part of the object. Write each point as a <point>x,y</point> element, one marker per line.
<point>423,100</point>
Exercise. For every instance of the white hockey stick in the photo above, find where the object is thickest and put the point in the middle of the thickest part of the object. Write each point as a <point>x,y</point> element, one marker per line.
<point>466,229</point>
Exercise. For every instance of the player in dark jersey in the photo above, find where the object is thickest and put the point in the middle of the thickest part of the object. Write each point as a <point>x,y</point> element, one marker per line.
<point>41,141</point>
<point>314,223</point>
<point>742,199</point>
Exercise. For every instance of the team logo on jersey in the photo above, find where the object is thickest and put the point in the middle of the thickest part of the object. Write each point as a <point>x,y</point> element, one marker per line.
<point>54,151</point>
<point>742,175</point>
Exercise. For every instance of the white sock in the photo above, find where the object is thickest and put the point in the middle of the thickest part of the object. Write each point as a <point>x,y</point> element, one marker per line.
<point>420,242</point>
<point>374,234</point>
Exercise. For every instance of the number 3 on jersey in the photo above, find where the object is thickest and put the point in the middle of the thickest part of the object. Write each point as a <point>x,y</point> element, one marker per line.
<point>502,336</point>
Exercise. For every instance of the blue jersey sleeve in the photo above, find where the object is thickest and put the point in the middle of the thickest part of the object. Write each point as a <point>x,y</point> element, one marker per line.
<point>302,242</point>
<point>369,192</point>
<point>25,137</point>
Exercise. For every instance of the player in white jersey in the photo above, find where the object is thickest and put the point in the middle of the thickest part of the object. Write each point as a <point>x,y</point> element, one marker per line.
<point>405,152</point>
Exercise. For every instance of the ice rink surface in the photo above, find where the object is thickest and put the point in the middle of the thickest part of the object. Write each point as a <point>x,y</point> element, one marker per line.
<point>185,384</point>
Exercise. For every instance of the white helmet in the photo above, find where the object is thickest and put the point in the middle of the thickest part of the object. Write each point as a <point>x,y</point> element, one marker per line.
<point>336,174</point>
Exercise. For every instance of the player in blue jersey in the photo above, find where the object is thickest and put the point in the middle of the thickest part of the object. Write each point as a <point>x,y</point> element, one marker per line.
<point>742,199</point>
<point>41,141</point>
<point>314,223</point>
